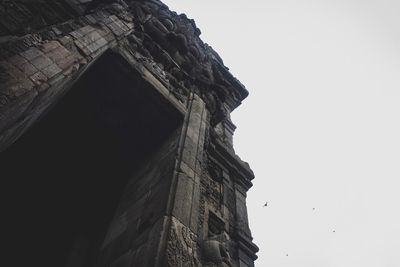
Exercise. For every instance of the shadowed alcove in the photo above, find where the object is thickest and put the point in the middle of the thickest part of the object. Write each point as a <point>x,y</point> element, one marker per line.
<point>63,179</point>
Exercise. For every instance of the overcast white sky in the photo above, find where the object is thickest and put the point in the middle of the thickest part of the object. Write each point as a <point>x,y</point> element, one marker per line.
<point>321,126</point>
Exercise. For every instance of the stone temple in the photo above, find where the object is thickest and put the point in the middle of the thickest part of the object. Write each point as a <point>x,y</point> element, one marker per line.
<point>116,139</point>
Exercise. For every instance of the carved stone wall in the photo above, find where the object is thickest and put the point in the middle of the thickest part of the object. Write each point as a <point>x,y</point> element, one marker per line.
<point>181,246</point>
<point>187,206</point>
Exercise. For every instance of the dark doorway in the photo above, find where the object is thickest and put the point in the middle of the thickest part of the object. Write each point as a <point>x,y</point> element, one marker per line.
<point>63,178</point>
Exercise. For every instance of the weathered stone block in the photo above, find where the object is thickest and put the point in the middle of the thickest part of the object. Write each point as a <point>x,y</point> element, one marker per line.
<point>187,170</point>
<point>41,62</point>
<point>66,62</point>
<point>38,78</point>
<point>28,69</point>
<point>32,53</point>
<point>49,46</point>
<point>183,199</point>
<point>51,71</point>
<point>17,60</point>
<point>58,54</point>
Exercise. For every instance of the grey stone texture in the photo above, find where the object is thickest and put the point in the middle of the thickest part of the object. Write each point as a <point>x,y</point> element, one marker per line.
<point>186,203</point>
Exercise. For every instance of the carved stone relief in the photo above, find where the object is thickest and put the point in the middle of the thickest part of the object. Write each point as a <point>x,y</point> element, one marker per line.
<point>173,41</point>
<point>181,246</point>
<point>212,191</point>
<point>211,188</point>
<point>216,246</point>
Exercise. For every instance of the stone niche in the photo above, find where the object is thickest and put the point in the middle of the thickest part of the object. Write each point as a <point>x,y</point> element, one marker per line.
<point>116,141</point>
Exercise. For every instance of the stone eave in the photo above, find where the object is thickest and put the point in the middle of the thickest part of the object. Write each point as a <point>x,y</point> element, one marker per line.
<point>247,246</point>
<point>237,87</point>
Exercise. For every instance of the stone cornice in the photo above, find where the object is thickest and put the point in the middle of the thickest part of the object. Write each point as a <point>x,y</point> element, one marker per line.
<point>246,245</point>
<point>238,169</point>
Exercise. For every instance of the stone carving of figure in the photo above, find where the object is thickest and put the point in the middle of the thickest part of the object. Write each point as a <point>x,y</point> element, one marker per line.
<point>215,251</point>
